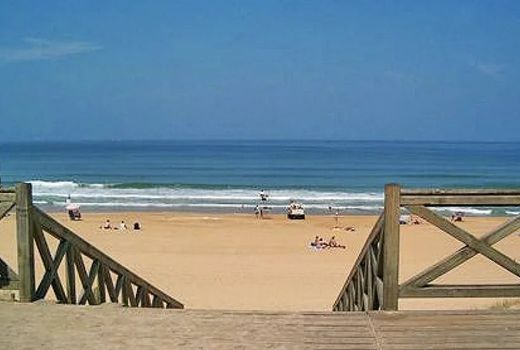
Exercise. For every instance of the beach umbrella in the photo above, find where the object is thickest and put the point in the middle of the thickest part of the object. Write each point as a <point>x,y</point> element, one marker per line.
<point>72,206</point>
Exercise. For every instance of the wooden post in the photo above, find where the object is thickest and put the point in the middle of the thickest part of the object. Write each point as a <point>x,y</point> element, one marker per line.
<point>24,236</point>
<point>391,247</point>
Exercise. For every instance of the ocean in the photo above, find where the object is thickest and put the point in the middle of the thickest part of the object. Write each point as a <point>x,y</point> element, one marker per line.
<point>228,175</point>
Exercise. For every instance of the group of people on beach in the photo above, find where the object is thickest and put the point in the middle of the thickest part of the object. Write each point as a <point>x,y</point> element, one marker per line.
<point>107,225</point>
<point>320,243</point>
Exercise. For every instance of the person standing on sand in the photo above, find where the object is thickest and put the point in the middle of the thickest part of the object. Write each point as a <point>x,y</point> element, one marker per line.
<point>336,218</point>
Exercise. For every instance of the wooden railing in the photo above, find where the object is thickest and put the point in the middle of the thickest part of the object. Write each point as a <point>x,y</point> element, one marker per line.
<point>105,279</point>
<point>363,289</point>
<point>378,263</point>
<point>8,277</point>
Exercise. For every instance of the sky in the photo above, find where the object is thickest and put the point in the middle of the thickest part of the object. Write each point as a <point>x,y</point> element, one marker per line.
<point>338,70</point>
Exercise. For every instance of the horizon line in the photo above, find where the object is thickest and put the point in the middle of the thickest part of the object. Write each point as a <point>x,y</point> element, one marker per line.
<point>252,140</point>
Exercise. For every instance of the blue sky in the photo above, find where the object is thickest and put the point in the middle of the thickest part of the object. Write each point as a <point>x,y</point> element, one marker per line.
<point>407,70</point>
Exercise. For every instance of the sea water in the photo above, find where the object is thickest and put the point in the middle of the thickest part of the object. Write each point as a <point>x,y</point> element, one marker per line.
<point>228,175</point>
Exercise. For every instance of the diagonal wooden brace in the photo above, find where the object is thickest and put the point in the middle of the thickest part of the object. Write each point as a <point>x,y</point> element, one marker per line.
<point>462,255</point>
<point>482,246</point>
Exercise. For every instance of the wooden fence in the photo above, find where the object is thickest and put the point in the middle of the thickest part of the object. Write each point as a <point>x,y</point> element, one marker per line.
<point>102,280</point>
<point>373,283</point>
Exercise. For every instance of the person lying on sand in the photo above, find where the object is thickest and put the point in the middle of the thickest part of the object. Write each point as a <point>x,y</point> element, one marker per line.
<point>350,228</point>
<point>333,244</point>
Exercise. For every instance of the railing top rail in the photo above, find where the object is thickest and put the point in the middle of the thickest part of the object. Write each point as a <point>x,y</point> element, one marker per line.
<point>7,190</point>
<point>459,192</point>
<point>7,196</point>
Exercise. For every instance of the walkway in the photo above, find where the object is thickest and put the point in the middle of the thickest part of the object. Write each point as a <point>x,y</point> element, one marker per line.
<point>49,326</point>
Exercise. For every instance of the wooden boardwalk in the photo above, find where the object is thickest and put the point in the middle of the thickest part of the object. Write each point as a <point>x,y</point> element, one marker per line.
<point>49,326</point>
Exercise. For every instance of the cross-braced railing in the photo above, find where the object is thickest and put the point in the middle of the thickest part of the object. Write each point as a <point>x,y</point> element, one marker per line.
<point>8,278</point>
<point>363,289</point>
<point>101,280</point>
<point>356,293</point>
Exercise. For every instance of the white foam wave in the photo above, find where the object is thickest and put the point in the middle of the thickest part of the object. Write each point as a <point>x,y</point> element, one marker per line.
<point>210,205</point>
<point>466,210</point>
<point>62,189</point>
<point>510,212</point>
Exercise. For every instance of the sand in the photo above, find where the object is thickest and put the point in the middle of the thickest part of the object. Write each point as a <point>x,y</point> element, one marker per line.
<point>238,262</point>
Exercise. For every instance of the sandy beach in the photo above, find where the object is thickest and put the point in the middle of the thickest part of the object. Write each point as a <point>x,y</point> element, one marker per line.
<point>235,261</point>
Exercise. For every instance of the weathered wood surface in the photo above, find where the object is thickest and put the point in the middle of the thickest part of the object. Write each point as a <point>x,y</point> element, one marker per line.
<point>111,326</point>
<point>467,200</point>
<point>70,250</point>
<point>459,191</point>
<point>462,255</point>
<point>365,267</point>
<point>5,207</point>
<point>391,247</point>
<point>25,241</point>
<point>7,197</point>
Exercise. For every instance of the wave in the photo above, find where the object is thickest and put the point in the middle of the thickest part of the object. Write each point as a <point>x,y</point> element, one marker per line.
<point>132,195</point>
<point>63,189</point>
<point>466,210</point>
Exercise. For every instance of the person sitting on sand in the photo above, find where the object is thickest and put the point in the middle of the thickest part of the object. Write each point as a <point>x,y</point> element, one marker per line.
<point>334,244</point>
<point>457,217</point>
<point>414,220</point>
<point>122,225</point>
<point>137,226</point>
<point>316,242</point>
<point>322,244</point>
<point>107,225</point>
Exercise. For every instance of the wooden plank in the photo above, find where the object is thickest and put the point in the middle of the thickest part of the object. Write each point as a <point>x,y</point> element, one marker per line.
<point>462,255</point>
<point>70,272</point>
<point>139,295</point>
<point>130,293</point>
<point>112,294</point>
<point>462,291</point>
<point>59,231</point>
<point>51,276</point>
<point>466,238</point>
<point>376,230</point>
<point>370,280</point>
<point>5,208</point>
<point>146,300</point>
<point>405,192</point>
<point>119,284</point>
<point>391,247</point>
<point>7,197</point>
<point>469,200</point>
<point>124,291</point>
<point>87,293</point>
<point>25,245</point>
<point>101,292</point>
